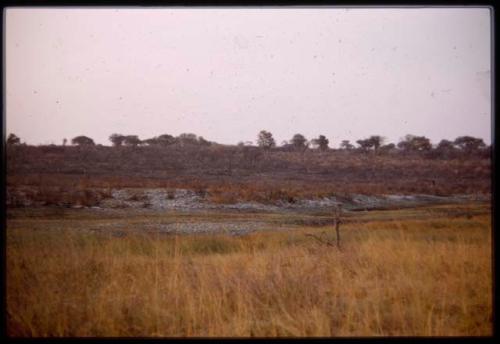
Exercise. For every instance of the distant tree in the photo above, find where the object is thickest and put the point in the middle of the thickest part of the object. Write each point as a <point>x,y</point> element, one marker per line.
<point>376,141</point>
<point>265,140</point>
<point>65,141</point>
<point>365,144</point>
<point>150,142</point>
<point>444,148</point>
<point>469,143</point>
<point>131,140</point>
<point>405,144</point>
<point>165,140</point>
<point>445,145</point>
<point>345,144</point>
<point>162,140</point>
<point>183,139</point>
<point>117,139</point>
<point>412,143</point>
<point>321,142</point>
<point>388,147</point>
<point>203,142</point>
<point>421,143</point>
<point>12,139</point>
<point>187,139</point>
<point>299,141</point>
<point>82,141</point>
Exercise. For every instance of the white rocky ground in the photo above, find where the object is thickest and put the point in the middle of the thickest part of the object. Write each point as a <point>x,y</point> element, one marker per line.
<point>179,199</point>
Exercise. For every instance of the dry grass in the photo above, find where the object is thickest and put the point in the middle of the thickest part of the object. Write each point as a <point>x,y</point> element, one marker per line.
<point>404,277</point>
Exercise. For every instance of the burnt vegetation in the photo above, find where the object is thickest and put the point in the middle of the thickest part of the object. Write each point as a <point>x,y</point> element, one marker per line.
<point>263,172</point>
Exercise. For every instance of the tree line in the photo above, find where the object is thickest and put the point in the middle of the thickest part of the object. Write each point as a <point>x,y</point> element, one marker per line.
<point>375,143</point>
<point>298,142</point>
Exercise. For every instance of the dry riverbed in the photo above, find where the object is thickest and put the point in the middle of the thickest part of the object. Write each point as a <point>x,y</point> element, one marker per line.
<point>188,200</point>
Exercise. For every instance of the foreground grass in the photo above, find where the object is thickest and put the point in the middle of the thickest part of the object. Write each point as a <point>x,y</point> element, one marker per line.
<point>429,277</point>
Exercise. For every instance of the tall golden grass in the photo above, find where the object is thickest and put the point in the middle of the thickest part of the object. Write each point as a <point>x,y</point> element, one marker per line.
<point>405,278</point>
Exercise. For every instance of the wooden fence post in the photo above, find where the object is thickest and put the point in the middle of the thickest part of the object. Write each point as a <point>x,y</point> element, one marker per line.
<point>337,222</point>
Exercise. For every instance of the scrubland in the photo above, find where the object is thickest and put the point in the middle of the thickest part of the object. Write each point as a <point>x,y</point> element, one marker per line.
<point>429,274</point>
<point>228,174</point>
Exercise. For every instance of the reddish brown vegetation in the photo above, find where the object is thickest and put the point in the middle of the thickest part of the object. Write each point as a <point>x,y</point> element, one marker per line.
<point>229,173</point>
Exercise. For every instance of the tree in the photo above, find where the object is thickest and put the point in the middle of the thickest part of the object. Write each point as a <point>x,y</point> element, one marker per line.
<point>345,144</point>
<point>364,144</point>
<point>444,149</point>
<point>187,138</point>
<point>388,147</point>
<point>131,140</point>
<point>162,140</point>
<point>376,141</point>
<point>445,145</point>
<point>265,140</point>
<point>412,143</point>
<point>299,141</point>
<point>203,142</point>
<point>117,139</point>
<point>150,142</point>
<point>321,142</point>
<point>469,143</point>
<point>165,139</point>
<point>13,140</point>
<point>82,141</point>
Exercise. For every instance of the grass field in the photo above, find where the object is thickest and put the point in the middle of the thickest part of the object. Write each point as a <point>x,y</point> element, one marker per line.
<point>413,272</point>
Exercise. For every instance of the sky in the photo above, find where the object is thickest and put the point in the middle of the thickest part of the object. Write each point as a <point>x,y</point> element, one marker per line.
<point>228,73</point>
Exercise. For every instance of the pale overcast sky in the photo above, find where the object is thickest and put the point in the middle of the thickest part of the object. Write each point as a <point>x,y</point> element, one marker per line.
<point>227,73</point>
